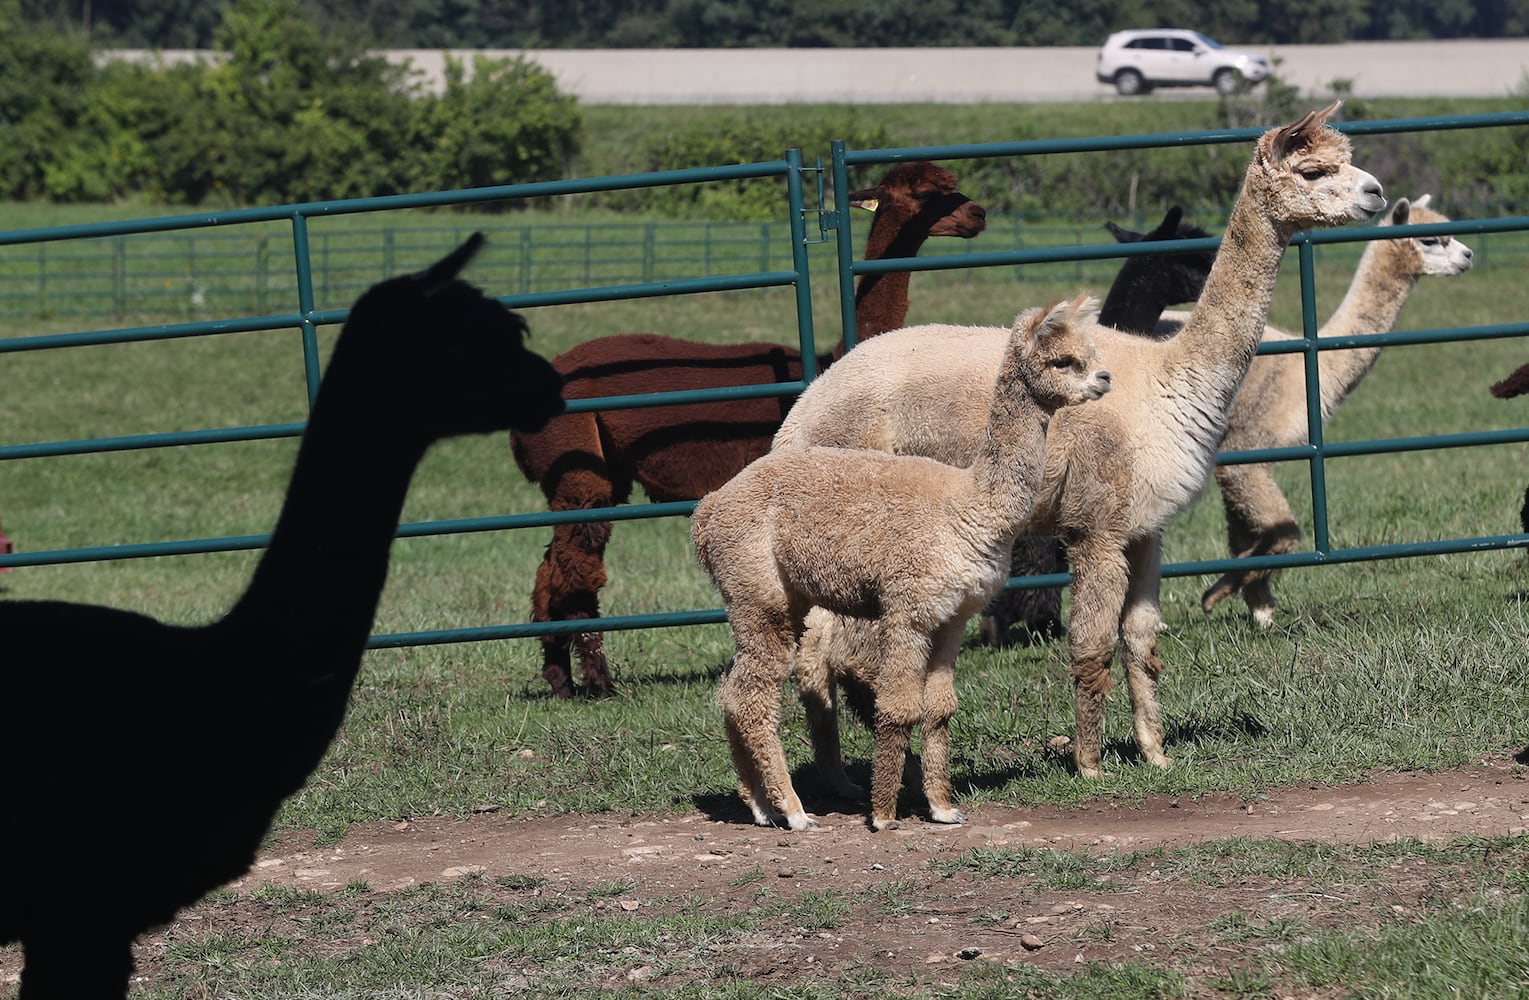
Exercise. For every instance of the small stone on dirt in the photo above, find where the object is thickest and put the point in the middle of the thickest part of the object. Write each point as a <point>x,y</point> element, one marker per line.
<point>1030,942</point>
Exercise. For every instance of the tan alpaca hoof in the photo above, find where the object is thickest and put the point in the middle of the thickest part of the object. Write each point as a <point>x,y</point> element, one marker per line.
<point>880,825</point>
<point>1263,618</point>
<point>802,822</point>
<point>1159,759</point>
<point>954,816</point>
<point>1093,771</point>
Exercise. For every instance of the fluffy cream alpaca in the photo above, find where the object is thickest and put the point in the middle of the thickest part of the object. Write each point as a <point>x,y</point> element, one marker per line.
<point>1117,470</point>
<point>1270,409</point>
<point>910,546</point>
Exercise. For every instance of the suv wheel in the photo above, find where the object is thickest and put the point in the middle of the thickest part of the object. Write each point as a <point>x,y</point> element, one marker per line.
<point>1130,83</point>
<point>1227,82</point>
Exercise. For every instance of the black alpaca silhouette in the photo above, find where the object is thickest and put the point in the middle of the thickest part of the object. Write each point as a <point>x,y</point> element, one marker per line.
<point>1142,289</point>
<point>192,737</point>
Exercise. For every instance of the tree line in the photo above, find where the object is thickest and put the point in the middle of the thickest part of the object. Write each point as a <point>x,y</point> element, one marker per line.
<point>475,24</point>
<point>298,111</point>
<point>295,113</point>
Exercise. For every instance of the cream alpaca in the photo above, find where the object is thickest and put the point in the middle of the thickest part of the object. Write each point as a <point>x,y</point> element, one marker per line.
<point>910,546</point>
<point>1116,471</point>
<point>1270,409</point>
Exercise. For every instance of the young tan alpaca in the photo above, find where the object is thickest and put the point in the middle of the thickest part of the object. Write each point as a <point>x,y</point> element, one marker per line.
<point>1115,471</point>
<point>1270,409</point>
<point>910,546</point>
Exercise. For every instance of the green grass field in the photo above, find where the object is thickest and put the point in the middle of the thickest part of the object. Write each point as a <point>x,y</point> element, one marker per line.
<point>1407,664</point>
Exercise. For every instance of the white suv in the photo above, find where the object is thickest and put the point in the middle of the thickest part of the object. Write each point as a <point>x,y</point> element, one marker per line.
<point>1137,61</point>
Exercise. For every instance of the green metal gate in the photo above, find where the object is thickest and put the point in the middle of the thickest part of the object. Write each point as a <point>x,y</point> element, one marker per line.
<point>808,220</point>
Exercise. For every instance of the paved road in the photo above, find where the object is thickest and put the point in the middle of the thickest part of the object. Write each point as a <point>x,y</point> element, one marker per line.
<point>967,76</point>
<point>963,76</point>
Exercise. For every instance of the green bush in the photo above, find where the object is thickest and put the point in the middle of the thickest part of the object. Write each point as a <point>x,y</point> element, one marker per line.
<point>746,137</point>
<point>505,124</point>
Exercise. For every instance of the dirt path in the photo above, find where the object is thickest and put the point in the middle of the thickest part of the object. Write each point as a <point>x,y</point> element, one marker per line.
<point>906,917</point>
<point>1490,799</point>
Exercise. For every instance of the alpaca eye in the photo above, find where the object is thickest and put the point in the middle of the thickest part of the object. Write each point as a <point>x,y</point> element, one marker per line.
<point>1430,241</point>
<point>1064,363</point>
<point>1313,173</point>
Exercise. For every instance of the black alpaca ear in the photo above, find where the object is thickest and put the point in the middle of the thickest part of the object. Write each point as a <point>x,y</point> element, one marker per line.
<point>446,270</point>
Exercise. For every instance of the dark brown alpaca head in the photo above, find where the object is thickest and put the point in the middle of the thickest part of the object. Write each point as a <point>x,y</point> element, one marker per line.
<point>1515,384</point>
<point>912,202</point>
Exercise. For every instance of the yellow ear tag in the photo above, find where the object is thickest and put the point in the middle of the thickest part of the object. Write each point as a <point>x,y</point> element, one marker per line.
<point>868,204</point>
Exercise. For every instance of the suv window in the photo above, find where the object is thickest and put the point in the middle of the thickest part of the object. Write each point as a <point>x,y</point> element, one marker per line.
<point>1181,44</point>
<point>1147,43</point>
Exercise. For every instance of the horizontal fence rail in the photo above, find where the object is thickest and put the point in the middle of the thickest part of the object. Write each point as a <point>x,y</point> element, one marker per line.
<point>252,270</point>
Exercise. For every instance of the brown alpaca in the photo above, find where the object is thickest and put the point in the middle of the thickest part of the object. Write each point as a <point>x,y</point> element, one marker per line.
<point>1270,409</point>
<point>1516,384</point>
<point>592,459</point>
<point>1116,470</point>
<point>911,546</point>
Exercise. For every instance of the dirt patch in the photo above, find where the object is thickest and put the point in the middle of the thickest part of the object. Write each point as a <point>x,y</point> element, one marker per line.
<point>841,901</point>
<point>910,918</point>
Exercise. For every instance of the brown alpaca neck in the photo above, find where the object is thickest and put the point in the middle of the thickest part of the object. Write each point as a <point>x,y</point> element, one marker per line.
<point>881,300</point>
<point>1372,304</point>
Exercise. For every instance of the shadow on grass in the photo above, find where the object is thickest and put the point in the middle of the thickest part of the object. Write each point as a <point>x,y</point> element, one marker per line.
<point>1522,757</point>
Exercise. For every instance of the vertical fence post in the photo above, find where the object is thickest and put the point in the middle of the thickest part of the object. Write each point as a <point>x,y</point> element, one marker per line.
<point>844,242</point>
<point>262,272</point>
<point>119,276</point>
<point>302,252</point>
<point>525,260</point>
<point>1311,357</point>
<point>803,283</point>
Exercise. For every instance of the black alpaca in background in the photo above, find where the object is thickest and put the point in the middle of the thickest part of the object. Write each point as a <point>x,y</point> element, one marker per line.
<point>190,738</point>
<point>1142,289</point>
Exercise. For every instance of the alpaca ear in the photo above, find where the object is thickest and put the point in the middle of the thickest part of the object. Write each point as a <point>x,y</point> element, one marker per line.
<point>1402,211</point>
<point>445,271</point>
<point>1300,134</point>
<point>1121,234</point>
<point>1421,201</point>
<point>869,199</point>
<point>1169,227</point>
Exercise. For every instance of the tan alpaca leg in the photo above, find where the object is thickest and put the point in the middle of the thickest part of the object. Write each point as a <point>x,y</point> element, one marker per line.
<point>750,701</point>
<point>899,706</point>
<point>1139,622</point>
<point>939,706</point>
<point>1259,522</point>
<point>816,671</point>
<point>1098,594</point>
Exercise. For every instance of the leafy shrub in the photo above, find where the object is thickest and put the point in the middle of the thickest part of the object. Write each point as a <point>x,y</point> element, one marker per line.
<point>744,138</point>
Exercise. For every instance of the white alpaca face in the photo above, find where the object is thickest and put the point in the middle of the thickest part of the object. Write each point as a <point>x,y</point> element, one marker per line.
<point>1444,255</point>
<point>1440,255</point>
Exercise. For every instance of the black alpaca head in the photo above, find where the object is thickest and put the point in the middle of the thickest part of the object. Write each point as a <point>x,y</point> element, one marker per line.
<point>442,358</point>
<point>1180,277</point>
<point>1148,284</point>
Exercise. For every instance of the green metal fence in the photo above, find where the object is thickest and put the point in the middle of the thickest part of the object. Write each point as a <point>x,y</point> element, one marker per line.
<point>332,269</point>
<point>200,274</point>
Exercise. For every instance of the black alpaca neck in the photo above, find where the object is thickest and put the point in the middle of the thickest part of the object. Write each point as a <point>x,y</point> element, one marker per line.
<point>314,594</point>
